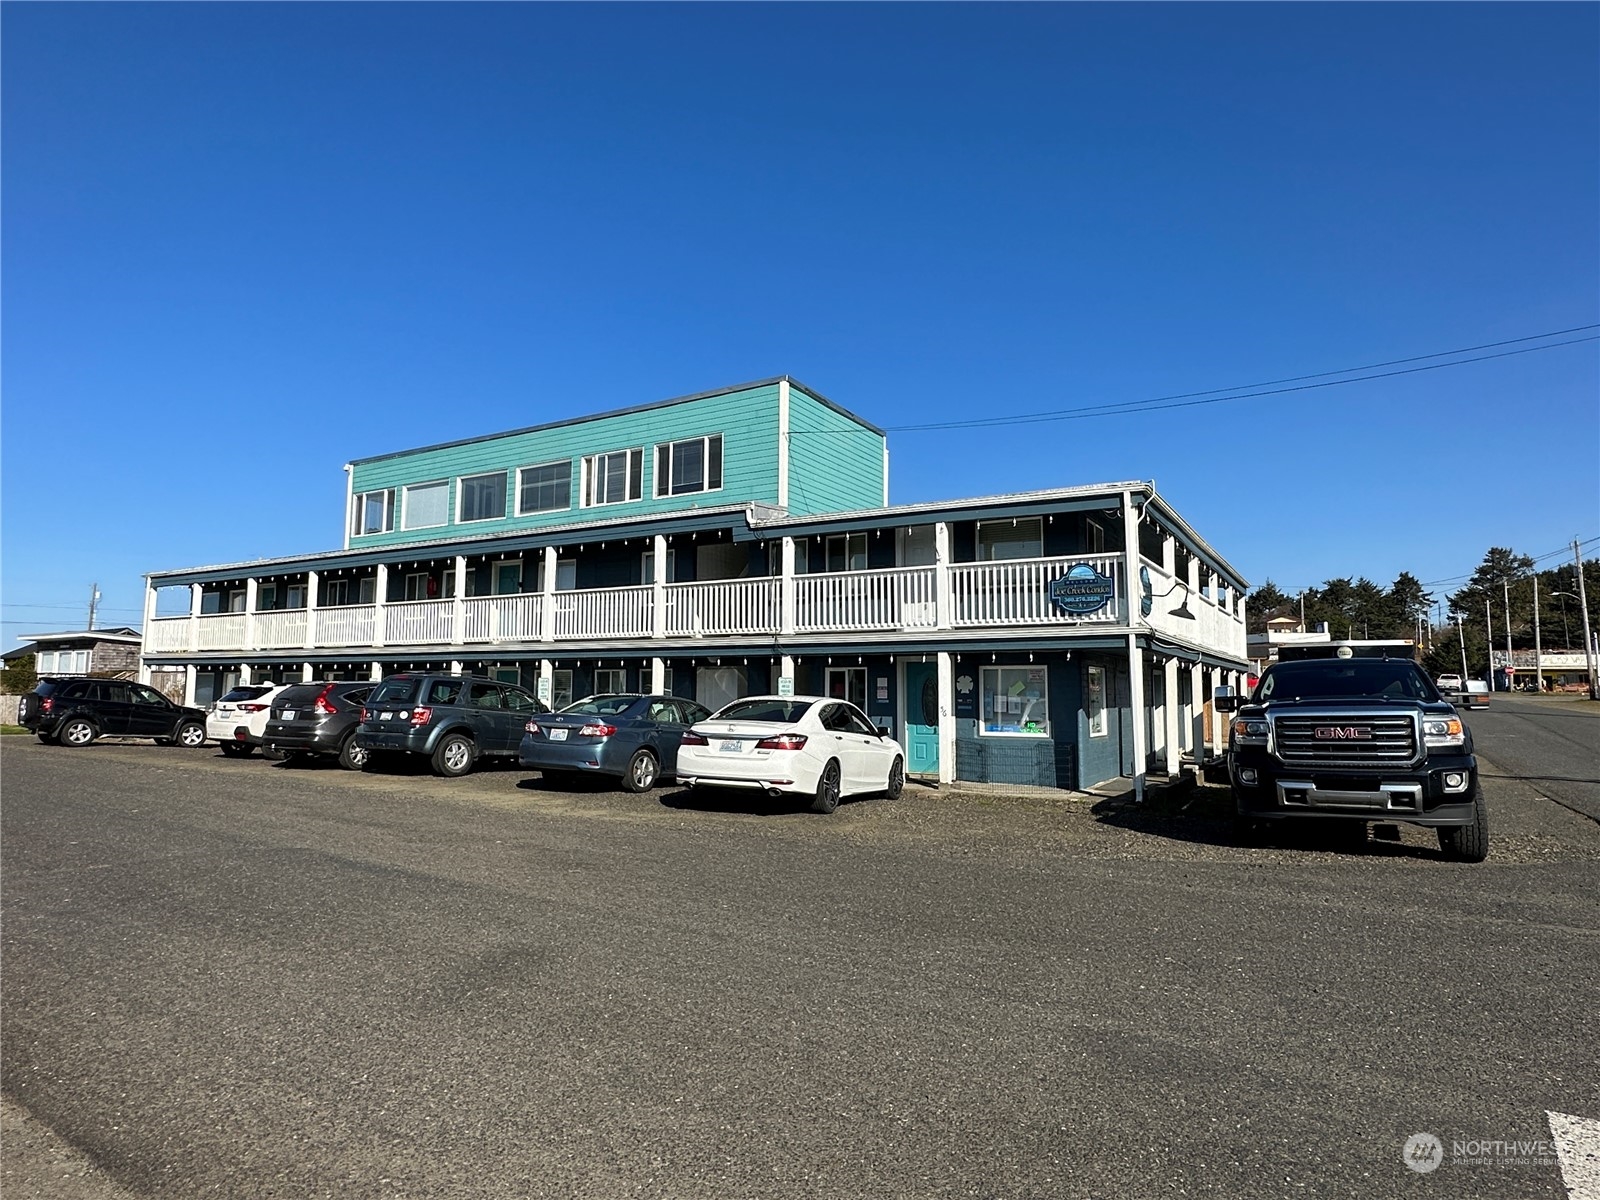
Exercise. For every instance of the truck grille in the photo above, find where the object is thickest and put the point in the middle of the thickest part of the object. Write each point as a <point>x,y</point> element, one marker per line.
<point>1345,739</point>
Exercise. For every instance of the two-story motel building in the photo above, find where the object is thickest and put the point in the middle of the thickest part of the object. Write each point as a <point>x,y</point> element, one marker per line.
<point>738,542</point>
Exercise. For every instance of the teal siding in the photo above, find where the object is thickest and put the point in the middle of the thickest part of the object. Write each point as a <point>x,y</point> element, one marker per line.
<point>747,419</point>
<point>835,463</point>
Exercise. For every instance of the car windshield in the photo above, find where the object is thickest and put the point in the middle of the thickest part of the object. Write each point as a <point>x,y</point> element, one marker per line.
<point>402,689</point>
<point>1341,679</point>
<point>782,712</point>
<point>249,691</point>
<point>603,706</point>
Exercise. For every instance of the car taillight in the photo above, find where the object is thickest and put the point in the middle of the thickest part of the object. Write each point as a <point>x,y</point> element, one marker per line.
<point>693,739</point>
<point>421,716</point>
<point>322,705</point>
<point>364,715</point>
<point>253,707</point>
<point>597,731</point>
<point>531,727</point>
<point>46,704</point>
<point>787,741</point>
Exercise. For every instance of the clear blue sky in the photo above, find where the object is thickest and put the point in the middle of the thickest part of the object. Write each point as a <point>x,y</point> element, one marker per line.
<point>244,244</point>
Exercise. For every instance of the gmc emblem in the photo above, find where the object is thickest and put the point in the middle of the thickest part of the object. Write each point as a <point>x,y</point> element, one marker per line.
<point>1342,733</point>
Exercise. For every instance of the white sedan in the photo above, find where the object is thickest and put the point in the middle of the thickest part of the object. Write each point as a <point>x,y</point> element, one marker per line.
<point>793,745</point>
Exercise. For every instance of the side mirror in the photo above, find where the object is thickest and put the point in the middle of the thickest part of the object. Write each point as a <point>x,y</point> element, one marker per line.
<point>885,732</point>
<point>1223,700</point>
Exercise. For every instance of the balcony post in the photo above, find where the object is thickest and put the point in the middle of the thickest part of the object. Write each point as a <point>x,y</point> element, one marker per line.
<point>458,608</point>
<point>1130,571</point>
<point>947,717</point>
<point>658,595</point>
<point>658,675</point>
<point>943,596</point>
<point>1170,714</point>
<point>1169,555</point>
<point>149,628</point>
<point>252,592</point>
<point>546,687</point>
<point>380,599</point>
<point>189,680</point>
<point>1197,712</point>
<point>547,606</point>
<point>786,586</point>
<point>1136,714</point>
<point>196,603</point>
<point>311,609</point>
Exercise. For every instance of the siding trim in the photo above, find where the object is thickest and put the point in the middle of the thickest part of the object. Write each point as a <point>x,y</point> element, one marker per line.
<point>783,444</point>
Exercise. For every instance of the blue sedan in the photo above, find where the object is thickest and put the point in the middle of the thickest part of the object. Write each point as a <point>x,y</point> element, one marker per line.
<point>632,737</point>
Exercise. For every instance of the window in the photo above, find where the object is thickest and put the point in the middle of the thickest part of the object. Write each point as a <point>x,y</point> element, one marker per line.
<point>297,595</point>
<point>560,689</point>
<point>1019,538</point>
<point>1094,536</point>
<point>482,498</point>
<point>546,488</point>
<point>507,577</point>
<point>373,512</point>
<point>613,478</point>
<point>367,590</point>
<point>335,592</point>
<point>1094,701</point>
<point>610,679</point>
<point>846,552</point>
<point>419,586</point>
<point>267,597</point>
<point>691,466</point>
<point>425,505</point>
<point>236,600</point>
<point>848,683</point>
<point>647,567</point>
<point>1015,702</point>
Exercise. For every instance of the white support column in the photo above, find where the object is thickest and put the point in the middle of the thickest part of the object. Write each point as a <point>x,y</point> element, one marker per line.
<point>943,597</point>
<point>308,672</point>
<point>458,608</point>
<point>658,673</point>
<point>786,671</point>
<point>376,673</point>
<point>1169,555</point>
<point>545,689</point>
<point>1136,714</point>
<point>658,593</point>
<point>457,667</point>
<point>786,586</point>
<point>947,717</point>
<point>1219,741</point>
<point>547,605</point>
<point>1171,713</point>
<point>196,602</point>
<point>252,589</point>
<point>245,676</point>
<point>380,598</point>
<point>149,623</point>
<point>189,674</point>
<point>1194,578</point>
<point>311,609</point>
<point>1197,712</point>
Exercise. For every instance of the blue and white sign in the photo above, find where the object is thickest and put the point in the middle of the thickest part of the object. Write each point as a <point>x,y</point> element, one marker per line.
<point>1082,590</point>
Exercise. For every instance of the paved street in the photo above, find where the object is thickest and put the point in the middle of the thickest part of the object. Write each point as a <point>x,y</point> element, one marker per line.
<point>239,979</point>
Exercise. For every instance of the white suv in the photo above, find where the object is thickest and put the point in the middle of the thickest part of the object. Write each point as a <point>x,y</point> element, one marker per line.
<point>1448,683</point>
<point>238,721</point>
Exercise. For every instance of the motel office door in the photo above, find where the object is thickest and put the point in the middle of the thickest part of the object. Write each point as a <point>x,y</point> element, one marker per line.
<point>922,718</point>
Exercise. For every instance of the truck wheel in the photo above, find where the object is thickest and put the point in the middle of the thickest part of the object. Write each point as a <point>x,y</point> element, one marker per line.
<point>1468,843</point>
<point>453,756</point>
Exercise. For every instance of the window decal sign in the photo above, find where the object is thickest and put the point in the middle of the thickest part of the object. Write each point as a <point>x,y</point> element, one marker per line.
<point>1082,590</point>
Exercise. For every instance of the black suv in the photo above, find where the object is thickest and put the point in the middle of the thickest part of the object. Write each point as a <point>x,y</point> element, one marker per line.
<point>1356,739</point>
<point>453,719</point>
<point>313,719</point>
<point>74,712</point>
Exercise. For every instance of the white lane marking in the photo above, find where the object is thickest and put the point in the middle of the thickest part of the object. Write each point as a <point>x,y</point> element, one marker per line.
<point>1577,1142</point>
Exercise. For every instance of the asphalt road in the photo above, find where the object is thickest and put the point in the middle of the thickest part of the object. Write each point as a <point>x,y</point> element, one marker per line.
<point>238,979</point>
<point>1552,742</point>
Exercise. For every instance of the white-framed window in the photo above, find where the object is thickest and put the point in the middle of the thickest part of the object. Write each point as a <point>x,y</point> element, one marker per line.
<point>802,557</point>
<point>297,595</point>
<point>373,512</point>
<point>1094,700</point>
<point>1015,701</point>
<point>267,597</point>
<point>848,683</point>
<point>504,674</point>
<point>693,465</point>
<point>425,505</point>
<point>481,497</point>
<point>1094,536</point>
<point>62,662</point>
<point>367,590</point>
<point>560,689</point>
<point>610,679</point>
<point>845,552</point>
<point>613,478</point>
<point>236,599</point>
<point>507,577</point>
<point>1021,537</point>
<point>666,682</point>
<point>647,566</point>
<point>417,586</point>
<point>335,592</point>
<point>544,488</point>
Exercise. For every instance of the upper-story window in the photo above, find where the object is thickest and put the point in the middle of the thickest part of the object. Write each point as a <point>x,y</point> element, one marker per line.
<point>373,513</point>
<point>1019,538</point>
<point>482,498</point>
<point>425,505</point>
<point>846,552</point>
<point>613,478</point>
<point>545,488</point>
<point>694,465</point>
<point>1094,536</point>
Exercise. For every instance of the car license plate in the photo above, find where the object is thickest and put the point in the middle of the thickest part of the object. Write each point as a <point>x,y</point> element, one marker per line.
<point>732,747</point>
<point>558,735</point>
<point>288,714</point>
<point>385,716</point>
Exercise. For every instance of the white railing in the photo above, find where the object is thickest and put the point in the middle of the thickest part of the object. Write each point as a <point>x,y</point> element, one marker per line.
<point>346,625</point>
<point>167,634</point>
<point>225,631</point>
<point>277,630</point>
<point>721,607</point>
<point>898,598</point>
<point>604,612</point>
<point>1207,625</point>
<point>417,622</point>
<point>1017,591</point>
<point>502,619</point>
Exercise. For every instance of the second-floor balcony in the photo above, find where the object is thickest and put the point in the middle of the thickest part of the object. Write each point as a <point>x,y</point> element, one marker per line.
<point>1010,594</point>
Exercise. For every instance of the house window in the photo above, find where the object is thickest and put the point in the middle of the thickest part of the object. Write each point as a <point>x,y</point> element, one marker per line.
<point>610,679</point>
<point>374,512</point>
<point>647,566</point>
<point>62,662</point>
<point>689,466</point>
<point>1015,702</point>
<point>846,552</point>
<point>666,682</point>
<point>848,683</point>
<point>560,689</point>
<point>419,586</point>
<point>613,478</point>
<point>507,577</point>
<point>1020,538</point>
<point>236,601</point>
<point>1094,701</point>
<point>1094,537</point>
<point>482,498</point>
<point>367,590</point>
<point>267,597</point>
<point>425,505</point>
<point>297,595</point>
<point>546,488</point>
<point>335,592</point>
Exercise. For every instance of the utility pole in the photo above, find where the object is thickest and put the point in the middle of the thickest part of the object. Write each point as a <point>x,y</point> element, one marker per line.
<point>1488,621</point>
<point>1538,649</point>
<point>1588,643</point>
<point>1461,637</point>
<point>1511,665</point>
<point>94,599</point>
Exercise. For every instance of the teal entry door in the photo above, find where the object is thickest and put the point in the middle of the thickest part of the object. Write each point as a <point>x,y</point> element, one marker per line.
<point>922,718</point>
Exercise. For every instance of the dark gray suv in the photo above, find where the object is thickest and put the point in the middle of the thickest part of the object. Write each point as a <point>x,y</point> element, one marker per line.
<point>454,720</point>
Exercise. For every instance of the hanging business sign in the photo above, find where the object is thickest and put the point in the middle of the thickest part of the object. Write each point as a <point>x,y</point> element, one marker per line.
<point>1082,590</point>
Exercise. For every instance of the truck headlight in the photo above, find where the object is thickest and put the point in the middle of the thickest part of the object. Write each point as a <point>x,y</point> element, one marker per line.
<point>1443,731</point>
<point>1250,731</point>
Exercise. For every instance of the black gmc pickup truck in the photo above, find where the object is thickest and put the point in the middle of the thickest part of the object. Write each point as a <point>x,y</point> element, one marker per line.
<point>1355,739</point>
